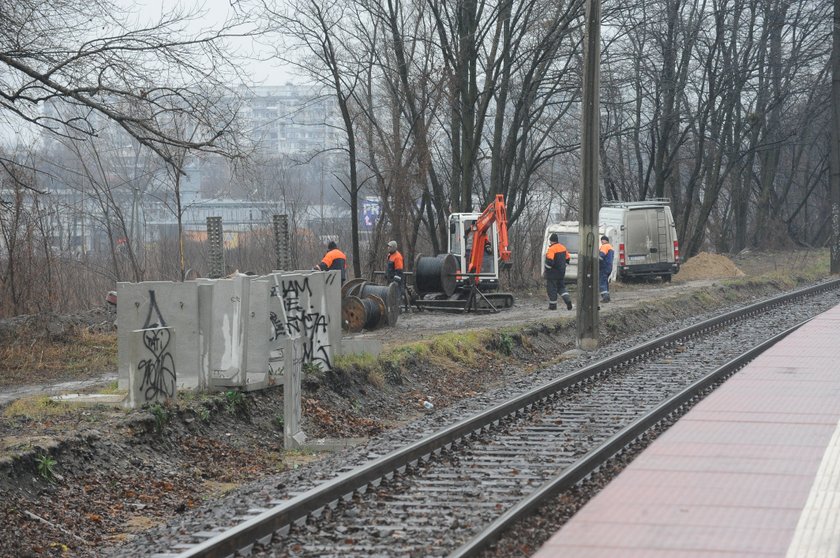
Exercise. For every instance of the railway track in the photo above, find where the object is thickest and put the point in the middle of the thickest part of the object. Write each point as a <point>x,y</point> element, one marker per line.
<point>454,491</point>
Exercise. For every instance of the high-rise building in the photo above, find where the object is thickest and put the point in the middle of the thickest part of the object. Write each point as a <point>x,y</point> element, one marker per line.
<point>290,119</point>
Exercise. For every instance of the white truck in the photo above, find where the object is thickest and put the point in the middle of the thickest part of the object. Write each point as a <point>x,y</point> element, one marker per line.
<point>644,238</point>
<point>568,233</point>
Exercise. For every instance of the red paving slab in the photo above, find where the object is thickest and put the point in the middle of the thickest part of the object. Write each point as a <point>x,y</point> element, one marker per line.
<point>752,471</point>
<point>622,537</point>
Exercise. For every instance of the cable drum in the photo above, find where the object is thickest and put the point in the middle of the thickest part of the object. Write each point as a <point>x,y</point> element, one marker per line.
<point>353,314</point>
<point>351,286</point>
<point>389,295</point>
<point>361,313</point>
<point>377,315</point>
<point>435,274</point>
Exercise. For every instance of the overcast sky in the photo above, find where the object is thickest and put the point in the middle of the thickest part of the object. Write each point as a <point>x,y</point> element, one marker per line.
<point>214,14</point>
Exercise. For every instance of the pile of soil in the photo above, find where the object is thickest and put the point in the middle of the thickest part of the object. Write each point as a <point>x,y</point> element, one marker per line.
<point>57,327</point>
<point>708,266</point>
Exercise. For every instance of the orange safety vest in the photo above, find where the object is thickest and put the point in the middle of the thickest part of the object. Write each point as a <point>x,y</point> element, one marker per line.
<point>335,259</point>
<point>395,261</point>
<point>607,257</point>
<point>556,258</point>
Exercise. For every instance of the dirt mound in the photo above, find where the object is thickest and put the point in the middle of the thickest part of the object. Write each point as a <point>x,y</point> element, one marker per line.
<point>56,327</point>
<point>708,266</point>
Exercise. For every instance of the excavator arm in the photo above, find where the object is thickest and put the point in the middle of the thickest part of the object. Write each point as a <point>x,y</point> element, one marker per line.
<point>496,212</point>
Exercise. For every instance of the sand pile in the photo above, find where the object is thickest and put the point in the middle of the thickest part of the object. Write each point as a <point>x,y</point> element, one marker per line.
<point>708,266</point>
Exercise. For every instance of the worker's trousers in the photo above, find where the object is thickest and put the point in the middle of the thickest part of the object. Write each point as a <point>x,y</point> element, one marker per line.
<point>554,287</point>
<point>604,282</point>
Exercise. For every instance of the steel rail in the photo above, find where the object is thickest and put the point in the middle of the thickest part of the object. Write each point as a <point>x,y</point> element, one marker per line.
<point>261,527</point>
<point>609,448</point>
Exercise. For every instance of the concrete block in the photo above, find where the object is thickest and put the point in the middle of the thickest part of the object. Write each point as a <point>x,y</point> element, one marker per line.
<point>332,309</point>
<point>259,327</point>
<point>300,301</point>
<point>361,346</point>
<point>293,436</point>
<point>160,303</point>
<point>91,399</point>
<point>205,330</point>
<point>332,444</point>
<point>152,369</point>
<point>229,332</point>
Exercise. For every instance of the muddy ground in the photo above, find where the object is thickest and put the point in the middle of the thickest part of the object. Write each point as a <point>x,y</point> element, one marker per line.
<point>76,478</point>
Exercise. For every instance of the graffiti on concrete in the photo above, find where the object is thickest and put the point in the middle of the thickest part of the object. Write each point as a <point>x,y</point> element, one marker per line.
<point>158,371</point>
<point>153,314</point>
<point>277,327</point>
<point>304,316</point>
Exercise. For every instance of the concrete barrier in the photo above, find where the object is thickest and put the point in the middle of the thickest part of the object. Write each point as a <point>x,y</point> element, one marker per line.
<point>243,332</point>
<point>151,374</point>
<point>161,304</point>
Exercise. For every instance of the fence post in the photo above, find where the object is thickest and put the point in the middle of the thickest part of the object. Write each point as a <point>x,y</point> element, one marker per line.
<point>216,247</point>
<point>281,242</point>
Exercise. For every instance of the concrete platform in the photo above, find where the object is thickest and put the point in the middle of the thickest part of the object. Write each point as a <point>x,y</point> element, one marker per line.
<point>752,471</point>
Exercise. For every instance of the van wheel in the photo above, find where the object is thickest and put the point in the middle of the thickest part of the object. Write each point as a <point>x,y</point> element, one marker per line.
<point>666,277</point>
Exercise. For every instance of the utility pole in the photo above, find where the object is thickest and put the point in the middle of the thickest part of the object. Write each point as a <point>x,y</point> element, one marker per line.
<point>587,308</point>
<point>835,144</point>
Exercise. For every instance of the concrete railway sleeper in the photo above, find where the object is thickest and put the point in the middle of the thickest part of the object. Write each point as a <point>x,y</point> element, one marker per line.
<point>456,489</point>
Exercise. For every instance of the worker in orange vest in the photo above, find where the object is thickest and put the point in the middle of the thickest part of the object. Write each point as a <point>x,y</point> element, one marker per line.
<point>606,255</point>
<point>394,269</point>
<point>334,259</point>
<point>556,259</point>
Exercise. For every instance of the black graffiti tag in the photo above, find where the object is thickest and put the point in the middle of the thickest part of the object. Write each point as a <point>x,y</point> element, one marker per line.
<point>154,312</point>
<point>310,325</point>
<point>277,327</point>
<point>158,370</point>
<point>296,288</point>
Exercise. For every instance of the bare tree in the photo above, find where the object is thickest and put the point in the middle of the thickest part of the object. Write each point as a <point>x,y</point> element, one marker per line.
<point>92,55</point>
<point>318,44</point>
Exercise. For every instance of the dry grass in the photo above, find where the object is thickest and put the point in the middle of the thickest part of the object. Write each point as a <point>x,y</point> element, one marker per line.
<point>81,355</point>
<point>38,407</point>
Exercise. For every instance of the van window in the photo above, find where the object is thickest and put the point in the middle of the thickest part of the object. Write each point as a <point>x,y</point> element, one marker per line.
<point>570,240</point>
<point>637,238</point>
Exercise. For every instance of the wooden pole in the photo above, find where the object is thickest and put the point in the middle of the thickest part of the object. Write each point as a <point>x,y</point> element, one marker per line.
<point>587,308</point>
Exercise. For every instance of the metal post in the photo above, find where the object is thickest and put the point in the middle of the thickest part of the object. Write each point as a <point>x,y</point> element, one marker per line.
<point>587,308</point>
<point>216,247</point>
<point>281,242</point>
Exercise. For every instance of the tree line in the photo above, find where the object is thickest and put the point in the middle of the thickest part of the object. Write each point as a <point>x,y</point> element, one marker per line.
<point>721,106</point>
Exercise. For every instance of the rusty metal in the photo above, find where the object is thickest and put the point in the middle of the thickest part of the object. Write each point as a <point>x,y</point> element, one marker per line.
<point>216,247</point>
<point>282,247</point>
<point>353,314</point>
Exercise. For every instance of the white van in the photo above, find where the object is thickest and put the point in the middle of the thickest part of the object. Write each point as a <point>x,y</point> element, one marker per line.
<point>644,238</point>
<point>568,234</point>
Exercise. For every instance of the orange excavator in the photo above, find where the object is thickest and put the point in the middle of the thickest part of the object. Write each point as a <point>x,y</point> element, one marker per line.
<point>466,278</point>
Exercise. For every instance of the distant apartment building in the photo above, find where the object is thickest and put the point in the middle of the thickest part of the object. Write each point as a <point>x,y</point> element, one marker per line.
<point>291,119</point>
